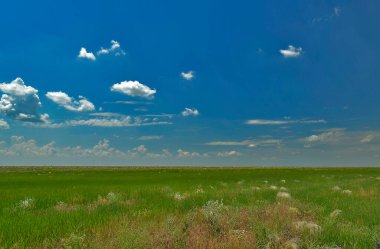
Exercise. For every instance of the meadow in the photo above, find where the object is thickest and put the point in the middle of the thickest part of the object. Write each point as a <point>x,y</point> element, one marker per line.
<point>189,207</point>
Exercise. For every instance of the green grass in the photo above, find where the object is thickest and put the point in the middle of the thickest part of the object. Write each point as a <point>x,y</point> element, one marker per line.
<point>166,207</point>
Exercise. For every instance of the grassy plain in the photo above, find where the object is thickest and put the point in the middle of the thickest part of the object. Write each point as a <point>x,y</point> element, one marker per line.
<point>134,207</point>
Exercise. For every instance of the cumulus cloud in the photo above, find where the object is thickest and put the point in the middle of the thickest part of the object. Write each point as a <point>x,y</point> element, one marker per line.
<point>281,122</point>
<point>21,102</point>
<point>86,55</point>
<point>190,112</point>
<point>114,49</point>
<point>188,75</point>
<point>22,147</point>
<point>3,124</point>
<point>141,149</point>
<point>291,52</point>
<point>186,154</point>
<point>134,89</point>
<point>69,103</point>
<point>228,153</point>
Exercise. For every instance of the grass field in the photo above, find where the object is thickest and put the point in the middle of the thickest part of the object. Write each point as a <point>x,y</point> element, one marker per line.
<point>130,207</point>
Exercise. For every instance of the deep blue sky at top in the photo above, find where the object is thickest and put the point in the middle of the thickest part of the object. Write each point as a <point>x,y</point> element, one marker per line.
<point>233,47</point>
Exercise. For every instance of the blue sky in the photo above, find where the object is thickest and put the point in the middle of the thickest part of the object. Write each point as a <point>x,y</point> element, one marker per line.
<point>190,83</point>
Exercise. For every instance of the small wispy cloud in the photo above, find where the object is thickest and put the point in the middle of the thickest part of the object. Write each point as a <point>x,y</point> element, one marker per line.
<point>188,75</point>
<point>114,49</point>
<point>291,52</point>
<point>86,55</point>
<point>140,109</point>
<point>228,153</point>
<point>190,112</point>
<point>146,138</point>
<point>159,115</point>
<point>282,122</point>
<point>250,143</point>
<point>134,89</point>
<point>129,102</point>
<point>336,12</point>
<point>367,139</point>
<point>230,143</point>
<point>106,114</point>
<point>266,122</point>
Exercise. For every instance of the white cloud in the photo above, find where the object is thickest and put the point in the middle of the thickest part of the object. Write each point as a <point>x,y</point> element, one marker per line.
<point>18,88</point>
<point>266,122</point>
<point>313,138</point>
<point>141,149</point>
<point>22,147</point>
<point>230,143</point>
<point>114,122</point>
<point>86,55</point>
<point>249,143</point>
<point>291,52</point>
<point>164,154</point>
<point>190,112</point>
<point>281,122</point>
<point>331,136</point>
<point>228,153</point>
<point>3,124</point>
<point>70,103</point>
<point>102,149</point>
<point>367,139</point>
<point>188,76</point>
<point>146,138</point>
<point>106,120</point>
<point>134,88</point>
<point>163,115</point>
<point>20,102</point>
<point>114,49</point>
<point>186,154</point>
